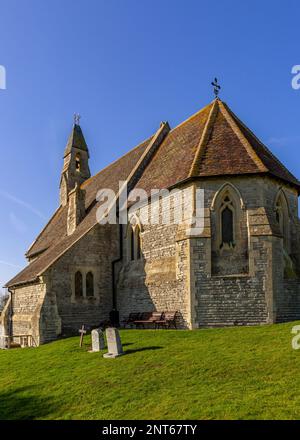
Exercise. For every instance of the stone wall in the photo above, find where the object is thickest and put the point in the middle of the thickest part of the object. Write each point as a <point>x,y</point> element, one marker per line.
<point>258,296</point>
<point>229,300</point>
<point>178,272</point>
<point>94,252</point>
<point>26,303</point>
<point>288,301</point>
<point>159,281</point>
<point>49,308</point>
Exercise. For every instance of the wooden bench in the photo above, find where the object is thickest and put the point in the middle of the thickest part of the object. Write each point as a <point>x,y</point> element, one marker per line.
<point>131,318</point>
<point>147,318</point>
<point>158,319</point>
<point>167,320</point>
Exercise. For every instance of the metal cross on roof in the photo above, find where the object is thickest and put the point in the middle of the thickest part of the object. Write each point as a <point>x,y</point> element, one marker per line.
<point>76,118</point>
<point>216,86</point>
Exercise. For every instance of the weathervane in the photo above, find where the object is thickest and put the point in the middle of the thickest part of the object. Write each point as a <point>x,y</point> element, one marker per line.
<point>76,118</point>
<point>216,86</point>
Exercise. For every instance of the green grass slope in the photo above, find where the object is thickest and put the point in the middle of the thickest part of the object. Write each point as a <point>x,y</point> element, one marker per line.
<point>233,373</point>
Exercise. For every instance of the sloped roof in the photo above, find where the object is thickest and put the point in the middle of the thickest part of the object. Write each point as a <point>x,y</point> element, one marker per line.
<point>109,177</point>
<point>54,241</point>
<point>271,162</point>
<point>212,142</point>
<point>76,140</point>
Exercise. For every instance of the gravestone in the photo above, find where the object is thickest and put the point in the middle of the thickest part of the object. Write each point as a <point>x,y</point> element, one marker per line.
<point>3,339</point>
<point>98,342</point>
<point>82,332</point>
<point>114,344</point>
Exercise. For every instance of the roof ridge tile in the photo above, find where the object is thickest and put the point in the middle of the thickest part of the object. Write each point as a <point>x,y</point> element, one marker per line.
<point>249,148</point>
<point>204,138</point>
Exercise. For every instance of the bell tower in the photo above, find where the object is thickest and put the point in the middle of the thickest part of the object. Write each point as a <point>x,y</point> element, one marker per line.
<point>76,162</point>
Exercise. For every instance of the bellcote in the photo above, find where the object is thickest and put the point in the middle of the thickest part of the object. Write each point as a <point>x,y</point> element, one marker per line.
<point>76,163</point>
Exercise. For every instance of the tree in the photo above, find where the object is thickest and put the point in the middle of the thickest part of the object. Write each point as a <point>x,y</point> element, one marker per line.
<point>3,299</point>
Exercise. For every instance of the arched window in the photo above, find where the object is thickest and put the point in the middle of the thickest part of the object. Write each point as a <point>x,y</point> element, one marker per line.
<point>133,237</point>
<point>78,162</point>
<point>227,222</point>
<point>130,242</point>
<point>227,226</point>
<point>137,234</point>
<point>229,232</point>
<point>78,284</point>
<point>89,284</point>
<point>282,217</point>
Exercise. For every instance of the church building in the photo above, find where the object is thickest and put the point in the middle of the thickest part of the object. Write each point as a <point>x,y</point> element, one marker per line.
<point>242,268</point>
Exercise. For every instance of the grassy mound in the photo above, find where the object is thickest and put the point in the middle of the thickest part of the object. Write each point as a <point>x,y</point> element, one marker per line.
<point>233,373</point>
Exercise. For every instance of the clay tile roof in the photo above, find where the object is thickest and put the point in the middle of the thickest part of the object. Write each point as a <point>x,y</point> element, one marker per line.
<point>53,240</point>
<point>212,142</point>
<point>174,158</point>
<point>271,162</point>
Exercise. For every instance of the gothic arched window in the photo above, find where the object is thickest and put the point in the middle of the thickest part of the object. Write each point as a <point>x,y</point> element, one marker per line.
<point>227,226</point>
<point>227,222</point>
<point>78,284</point>
<point>229,232</point>
<point>130,242</point>
<point>137,234</point>
<point>282,217</point>
<point>89,281</point>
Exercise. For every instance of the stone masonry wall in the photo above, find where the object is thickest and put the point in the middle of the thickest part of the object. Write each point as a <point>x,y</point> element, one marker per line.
<point>94,252</point>
<point>26,304</point>
<point>288,302</point>
<point>261,295</point>
<point>159,281</point>
<point>231,300</point>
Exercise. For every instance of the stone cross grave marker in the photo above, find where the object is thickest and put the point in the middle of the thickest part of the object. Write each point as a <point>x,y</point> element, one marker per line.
<point>98,342</point>
<point>114,344</point>
<point>82,333</point>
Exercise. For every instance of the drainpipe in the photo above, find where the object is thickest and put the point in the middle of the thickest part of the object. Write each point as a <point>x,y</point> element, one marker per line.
<point>10,313</point>
<point>114,314</point>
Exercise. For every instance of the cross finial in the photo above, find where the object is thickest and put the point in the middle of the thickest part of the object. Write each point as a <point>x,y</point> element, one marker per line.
<point>216,87</point>
<point>77,118</point>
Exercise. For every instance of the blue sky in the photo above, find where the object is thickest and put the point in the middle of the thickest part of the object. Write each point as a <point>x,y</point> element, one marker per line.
<point>124,66</point>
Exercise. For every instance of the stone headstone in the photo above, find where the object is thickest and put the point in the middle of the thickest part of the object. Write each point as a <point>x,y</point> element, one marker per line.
<point>98,342</point>
<point>3,339</point>
<point>114,344</point>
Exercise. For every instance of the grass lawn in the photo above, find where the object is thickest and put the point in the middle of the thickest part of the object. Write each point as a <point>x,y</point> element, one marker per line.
<point>233,373</point>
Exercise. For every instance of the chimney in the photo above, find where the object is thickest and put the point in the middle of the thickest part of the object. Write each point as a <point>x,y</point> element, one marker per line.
<point>76,209</point>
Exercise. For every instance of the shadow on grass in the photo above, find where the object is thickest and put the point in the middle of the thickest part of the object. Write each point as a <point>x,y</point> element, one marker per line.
<point>154,347</point>
<point>23,404</point>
